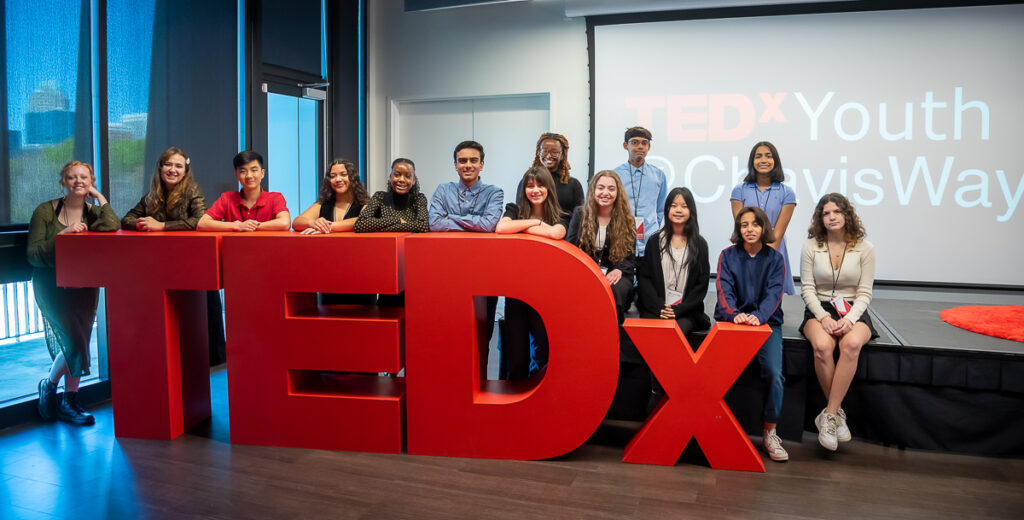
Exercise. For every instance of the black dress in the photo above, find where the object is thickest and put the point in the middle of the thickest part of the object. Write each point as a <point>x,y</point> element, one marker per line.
<point>521,323</point>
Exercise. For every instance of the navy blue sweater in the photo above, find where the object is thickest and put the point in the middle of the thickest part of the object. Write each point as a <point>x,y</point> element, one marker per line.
<point>751,285</point>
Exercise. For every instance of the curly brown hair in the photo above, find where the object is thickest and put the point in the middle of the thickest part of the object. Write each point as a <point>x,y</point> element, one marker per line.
<point>550,209</point>
<point>326,195</point>
<point>158,196</point>
<point>853,230</point>
<point>563,164</point>
<point>621,232</point>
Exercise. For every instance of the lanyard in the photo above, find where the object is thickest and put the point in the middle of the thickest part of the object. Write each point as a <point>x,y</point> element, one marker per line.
<point>835,272</point>
<point>638,190</point>
<point>679,270</point>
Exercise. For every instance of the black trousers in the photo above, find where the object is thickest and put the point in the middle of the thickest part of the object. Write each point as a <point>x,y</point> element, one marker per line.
<point>521,321</point>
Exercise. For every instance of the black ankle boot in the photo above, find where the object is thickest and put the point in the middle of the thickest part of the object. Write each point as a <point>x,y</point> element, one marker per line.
<point>47,399</point>
<point>68,410</point>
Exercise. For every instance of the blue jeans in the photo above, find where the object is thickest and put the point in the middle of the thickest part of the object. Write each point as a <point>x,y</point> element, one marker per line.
<point>770,359</point>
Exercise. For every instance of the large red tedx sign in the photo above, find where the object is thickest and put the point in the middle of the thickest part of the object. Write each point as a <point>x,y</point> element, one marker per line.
<point>306,375</point>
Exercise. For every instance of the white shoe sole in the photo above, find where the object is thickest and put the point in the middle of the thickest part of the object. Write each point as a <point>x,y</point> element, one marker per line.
<point>823,440</point>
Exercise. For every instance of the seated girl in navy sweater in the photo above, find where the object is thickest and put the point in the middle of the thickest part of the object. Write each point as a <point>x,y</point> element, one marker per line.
<point>750,282</point>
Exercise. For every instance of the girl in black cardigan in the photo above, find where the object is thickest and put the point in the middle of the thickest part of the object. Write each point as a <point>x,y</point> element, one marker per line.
<point>679,246</point>
<point>603,228</point>
<point>672,278</point>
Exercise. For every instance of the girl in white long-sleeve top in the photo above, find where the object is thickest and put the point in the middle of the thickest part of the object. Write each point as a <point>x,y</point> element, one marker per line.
<point>837,270</point>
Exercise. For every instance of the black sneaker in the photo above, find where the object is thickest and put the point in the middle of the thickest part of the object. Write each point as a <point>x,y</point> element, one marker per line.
<point>69,411</point>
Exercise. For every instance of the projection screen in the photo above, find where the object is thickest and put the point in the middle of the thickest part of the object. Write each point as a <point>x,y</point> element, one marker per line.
<point>914,115</point>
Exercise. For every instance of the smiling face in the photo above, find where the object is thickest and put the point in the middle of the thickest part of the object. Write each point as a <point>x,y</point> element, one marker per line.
<point>77,180</point>
<point>833,218</point>
<point>536,192</point>
<point>250,175</point>
<point>764,161</point>
<point>679,212</point>
<point>750,228</point>
<point>550,154</point>
<point>605,192</point>
<point>172,170</point>
<point>468,165</point>
<point>339,179</point>
<point>403,176</point>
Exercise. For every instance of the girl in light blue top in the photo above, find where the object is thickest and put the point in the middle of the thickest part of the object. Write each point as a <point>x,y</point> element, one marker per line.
<point>762,187</point>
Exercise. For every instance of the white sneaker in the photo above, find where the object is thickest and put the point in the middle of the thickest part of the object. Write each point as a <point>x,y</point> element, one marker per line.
<point>827,424</point>
<point>842,430</point>
<point>819,419</point>
<point>773,445</point>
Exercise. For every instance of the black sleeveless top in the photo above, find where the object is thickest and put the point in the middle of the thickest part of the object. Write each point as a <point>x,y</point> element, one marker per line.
<point>327,210</point>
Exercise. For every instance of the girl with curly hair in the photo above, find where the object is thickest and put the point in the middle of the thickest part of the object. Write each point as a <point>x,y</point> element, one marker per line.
<point>341,199</point>
<point>603,228</point>
<point>837,271</point>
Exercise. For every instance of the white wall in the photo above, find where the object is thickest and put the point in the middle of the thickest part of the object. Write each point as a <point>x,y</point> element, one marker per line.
<point>500,49</point>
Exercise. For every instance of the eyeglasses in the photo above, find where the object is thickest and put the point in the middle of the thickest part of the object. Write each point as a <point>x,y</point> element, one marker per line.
<point>639,142</point>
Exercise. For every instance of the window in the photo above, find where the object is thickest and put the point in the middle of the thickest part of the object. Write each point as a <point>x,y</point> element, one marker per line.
<point>49,120</point>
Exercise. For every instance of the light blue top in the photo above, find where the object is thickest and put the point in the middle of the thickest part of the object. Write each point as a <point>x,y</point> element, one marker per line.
<point>771,200</point>
<point>456,207</point>
<point>646,188</point>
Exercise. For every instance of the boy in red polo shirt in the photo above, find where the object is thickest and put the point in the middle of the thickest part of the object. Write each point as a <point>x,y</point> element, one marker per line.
<point>251,208</point>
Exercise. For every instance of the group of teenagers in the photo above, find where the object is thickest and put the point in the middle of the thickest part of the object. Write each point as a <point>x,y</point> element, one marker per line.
<point>644,236</point>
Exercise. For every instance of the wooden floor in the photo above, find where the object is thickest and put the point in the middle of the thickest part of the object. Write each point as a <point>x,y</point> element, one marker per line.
<point>58,471</point>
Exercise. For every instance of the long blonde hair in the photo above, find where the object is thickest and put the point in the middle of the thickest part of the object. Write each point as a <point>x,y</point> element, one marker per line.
<point>158,195</point>
<point>621,231</point>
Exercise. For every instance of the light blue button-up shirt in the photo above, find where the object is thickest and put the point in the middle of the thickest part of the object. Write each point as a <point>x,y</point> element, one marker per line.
<point>457,207</point>
<point>646,187</point>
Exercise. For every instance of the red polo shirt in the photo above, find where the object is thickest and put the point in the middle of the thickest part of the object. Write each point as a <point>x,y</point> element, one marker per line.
<point>229,207</point>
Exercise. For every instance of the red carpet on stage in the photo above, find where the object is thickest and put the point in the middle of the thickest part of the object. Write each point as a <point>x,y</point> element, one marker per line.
<point>1001,321</point>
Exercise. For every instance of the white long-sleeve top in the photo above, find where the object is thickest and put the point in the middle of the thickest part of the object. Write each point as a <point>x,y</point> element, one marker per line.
<point>856,276</point>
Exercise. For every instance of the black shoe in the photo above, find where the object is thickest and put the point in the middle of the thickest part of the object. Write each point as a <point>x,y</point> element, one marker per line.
<point>47,399</point>
<point>69,411</point>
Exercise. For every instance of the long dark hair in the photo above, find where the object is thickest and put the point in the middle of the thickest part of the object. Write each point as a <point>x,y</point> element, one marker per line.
<point>551,211</point>
<point>691,229</point>
<point>853,230</point>
<point>777,174</point>
<point>359,195</point>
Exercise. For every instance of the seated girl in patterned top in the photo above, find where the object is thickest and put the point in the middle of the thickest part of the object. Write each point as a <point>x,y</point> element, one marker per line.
<point>401,208</point>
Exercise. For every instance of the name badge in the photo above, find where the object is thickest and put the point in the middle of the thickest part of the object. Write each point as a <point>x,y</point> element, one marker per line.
<point>639,223</point>
<point>840,304</point>
<point>673,297</point>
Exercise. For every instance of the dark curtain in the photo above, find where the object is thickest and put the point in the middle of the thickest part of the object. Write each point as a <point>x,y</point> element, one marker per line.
<point>83,92</point>
<point>193,91</point>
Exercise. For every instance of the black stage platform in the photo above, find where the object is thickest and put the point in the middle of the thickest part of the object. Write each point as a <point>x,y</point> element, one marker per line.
<point>921,384</point>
